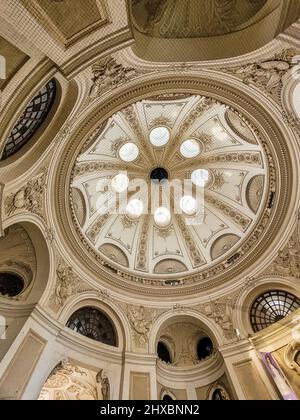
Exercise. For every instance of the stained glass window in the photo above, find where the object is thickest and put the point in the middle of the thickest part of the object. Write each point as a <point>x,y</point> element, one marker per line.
<point>93,324</point>
<point>33,116</point>
<point>272,307</point>
<point>11,285</point>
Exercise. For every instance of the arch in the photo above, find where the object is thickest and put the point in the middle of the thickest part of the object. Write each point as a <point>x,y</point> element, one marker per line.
<point>205,348</point>
<point>220,390</point>
<point>34,114</point>
<point>66,94</point>
<point>69,381</point>
<point>93,324</point>
<point>290,93</point>
<point>11,284</point>
<point>91,299</point>
<point>167,395</point>
<point>23,307</point>
<point>270,307</point>
<point>241,318</point>
<point>168,318</point>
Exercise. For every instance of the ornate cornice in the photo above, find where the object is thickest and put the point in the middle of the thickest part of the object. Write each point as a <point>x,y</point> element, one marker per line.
<point>202,83</point>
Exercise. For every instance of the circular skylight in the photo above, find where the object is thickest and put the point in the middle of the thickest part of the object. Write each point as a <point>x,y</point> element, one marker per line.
<point>120,183</point>
<point>200,177</point>
<point>129,152</point>
<point>162,216</point>
<point>190,148</point>
<point>189,205</point>
<point>159,136</point>
<point>135,208</point>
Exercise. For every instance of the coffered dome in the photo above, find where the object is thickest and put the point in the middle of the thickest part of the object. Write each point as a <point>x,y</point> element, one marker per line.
<point>121,198</point>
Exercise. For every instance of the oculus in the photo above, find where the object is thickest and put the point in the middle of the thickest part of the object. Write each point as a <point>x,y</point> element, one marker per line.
<point>190,149</point>
<point>159,136</point>
<point>129,152</point>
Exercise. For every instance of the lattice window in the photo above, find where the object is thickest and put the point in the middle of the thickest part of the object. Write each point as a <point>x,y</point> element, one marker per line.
<point>33,116</point>
<point>93,324</point>
<point>272,307</point>
<point>11,285</point>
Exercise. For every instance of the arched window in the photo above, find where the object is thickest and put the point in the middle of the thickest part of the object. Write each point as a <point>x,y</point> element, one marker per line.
<point>11,285</point>
<point>272,307</point>
<point>163,353</point>
<point>93,324</point>
<point>33,116</point>
<point>205,348</point>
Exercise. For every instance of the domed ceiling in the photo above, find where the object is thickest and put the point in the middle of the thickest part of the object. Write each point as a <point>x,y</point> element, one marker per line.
<point>120,197</point>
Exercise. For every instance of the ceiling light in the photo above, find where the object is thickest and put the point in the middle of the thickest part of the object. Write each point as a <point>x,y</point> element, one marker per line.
<point>162,216</point>
<point>200,177</point>
<point>135,208</point>
<point>189,205</point>
<point>190,148</point>
<point>120,183</point>
<point>128,152</point>
<point>159,136</point>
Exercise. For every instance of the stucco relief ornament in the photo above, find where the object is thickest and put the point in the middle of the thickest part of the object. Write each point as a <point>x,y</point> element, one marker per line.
<point>102,379</point>
<point>288,259</point>
<point>267,75</point>
<point>30,197</point>
<point>140,320</point>
<point>108,74</point>
<point>221,311</point>
<point>67,285</point>
<point>292,120</point>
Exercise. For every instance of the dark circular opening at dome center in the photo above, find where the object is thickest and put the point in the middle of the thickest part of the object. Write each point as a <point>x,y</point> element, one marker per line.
<point>159,175</point>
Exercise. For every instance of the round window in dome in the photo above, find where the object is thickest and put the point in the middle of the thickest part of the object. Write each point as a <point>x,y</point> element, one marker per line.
<point>120,183</point>
<point>135,208</point>
<point>190,148</point>
<point>189,205</point>
<point>162,217</point>
<point>159,136</point>
<point>129,152</point>
<point>200,177</point>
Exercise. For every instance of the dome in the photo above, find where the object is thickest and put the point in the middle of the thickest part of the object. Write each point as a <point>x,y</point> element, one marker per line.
<point>195,189</point>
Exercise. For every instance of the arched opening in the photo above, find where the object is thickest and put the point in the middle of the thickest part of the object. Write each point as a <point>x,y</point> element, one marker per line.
<point>167,398</point>
<point>24,273</point>
<point>205,348</point>
<point>11,285</point>
<point>93,324</point>
<point>70,381</point>
<point>271,307</point>
<point>163,352</point>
